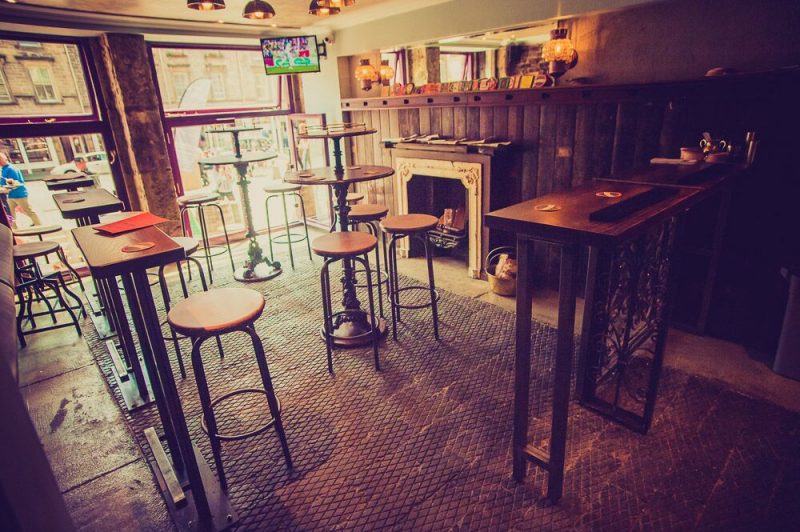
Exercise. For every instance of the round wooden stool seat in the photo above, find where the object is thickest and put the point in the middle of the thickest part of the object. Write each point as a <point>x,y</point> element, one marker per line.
<point>344,244</point>
<point>30,250</point>
<point>279,187</point>
<point>189,244</point>
<point>37,230</point>
<point>368,212</point>
<point>409,223</point>
<point>216,311</point>
<point>197,199</point>
<point>353,197</point>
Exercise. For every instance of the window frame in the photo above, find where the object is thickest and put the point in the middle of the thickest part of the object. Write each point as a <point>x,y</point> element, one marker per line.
<point>4,82</point>
<point>89,75</point>
<point>284,95</point>
<point>51,84</point>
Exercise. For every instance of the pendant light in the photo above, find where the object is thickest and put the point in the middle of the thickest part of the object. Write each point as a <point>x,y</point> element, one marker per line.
<point>336,3</point>
<point>205,5</point>
<point>315,8</point>
<point>258,10</point>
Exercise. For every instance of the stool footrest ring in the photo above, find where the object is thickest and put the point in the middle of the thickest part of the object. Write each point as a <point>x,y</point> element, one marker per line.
<point>207,252</point>
<point>281,238</point>
<point>383,277</point>
<point>243,435</point>
<point>394,296</point>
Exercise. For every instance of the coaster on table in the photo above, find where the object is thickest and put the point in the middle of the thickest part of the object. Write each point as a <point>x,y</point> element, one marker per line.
<point>608,194</point>
<point>354,168</point>
<point>369,172</point>
<point>73,200</point>
<point>305,174</point>
<point>547,207</point>
<point>133,248</point>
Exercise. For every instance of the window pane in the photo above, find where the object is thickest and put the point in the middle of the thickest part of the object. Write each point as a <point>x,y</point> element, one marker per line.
<point>37,157</point>
<point>208,79</point>
<point>195,142</point>
<point>42,79</point>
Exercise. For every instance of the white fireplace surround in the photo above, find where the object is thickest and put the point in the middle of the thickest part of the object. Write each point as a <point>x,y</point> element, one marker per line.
<point>469,174</point>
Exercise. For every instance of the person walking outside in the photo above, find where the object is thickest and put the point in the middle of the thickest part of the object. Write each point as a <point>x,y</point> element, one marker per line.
<point>12,180</point>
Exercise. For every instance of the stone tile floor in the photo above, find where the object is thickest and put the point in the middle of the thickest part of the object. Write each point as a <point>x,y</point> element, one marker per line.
<point>424,444</point>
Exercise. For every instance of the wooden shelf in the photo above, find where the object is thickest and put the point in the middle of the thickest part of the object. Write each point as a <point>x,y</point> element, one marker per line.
<point>727,87</point>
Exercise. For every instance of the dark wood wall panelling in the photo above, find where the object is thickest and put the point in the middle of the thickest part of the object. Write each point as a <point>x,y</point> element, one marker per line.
<point>581,133</point>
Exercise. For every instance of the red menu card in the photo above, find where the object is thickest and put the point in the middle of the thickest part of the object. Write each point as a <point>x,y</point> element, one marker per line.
<point>137,221</point>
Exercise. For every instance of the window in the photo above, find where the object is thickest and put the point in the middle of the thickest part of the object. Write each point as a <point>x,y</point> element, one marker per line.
<point>5,92</point>
<point>44,80</point>
<point>206,79</point>
<point>455,66</point>
<point>218,92</point>
<point>43,88</point>
<point>397,60</point>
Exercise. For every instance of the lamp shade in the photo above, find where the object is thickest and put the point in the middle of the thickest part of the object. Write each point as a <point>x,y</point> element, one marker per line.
<point>258,10</point>
<point>336,3</point>
<point>385,71</point>
<point>316,8</point>
<point>205,5</point>
<point>366,74</point>
<point>559,47</point>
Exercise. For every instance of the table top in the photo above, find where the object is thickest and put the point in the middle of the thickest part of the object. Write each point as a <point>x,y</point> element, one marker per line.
<point>105,257</point>
<point>328,176</point>
<point>336,134</point>
<point>571,223</point>
<point>96,201</point>
<point>701,175</point>
<point>229,158</point>
<point>70,180</point>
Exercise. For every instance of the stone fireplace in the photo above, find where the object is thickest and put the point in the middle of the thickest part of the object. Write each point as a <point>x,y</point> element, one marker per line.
<point>470,174</point>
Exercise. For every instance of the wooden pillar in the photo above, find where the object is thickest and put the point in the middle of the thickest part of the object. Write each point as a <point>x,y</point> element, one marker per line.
<point>133,114</point>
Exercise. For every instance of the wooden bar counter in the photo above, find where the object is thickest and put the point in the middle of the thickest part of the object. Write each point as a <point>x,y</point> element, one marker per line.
<point>629,227</point>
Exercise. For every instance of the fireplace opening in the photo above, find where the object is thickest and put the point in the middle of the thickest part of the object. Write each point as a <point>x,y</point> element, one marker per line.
<point>447,200</point>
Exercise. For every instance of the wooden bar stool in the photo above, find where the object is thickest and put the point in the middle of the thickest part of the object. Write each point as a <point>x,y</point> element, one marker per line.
<point>31,280</point>
<point>38,231</point>
<point>370,214</point>
<point>190,246</point>
<point>281,190</point>
<point>201,203</point>
<point>353,246</point>
<point>222,311</point>
<point>412,226</point>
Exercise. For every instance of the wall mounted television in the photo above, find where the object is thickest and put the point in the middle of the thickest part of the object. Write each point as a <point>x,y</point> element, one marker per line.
<point>290,55</point>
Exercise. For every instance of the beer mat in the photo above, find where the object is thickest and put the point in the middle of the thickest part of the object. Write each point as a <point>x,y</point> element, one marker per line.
<point>609,194</point>
<point>623,209</point>
<point>64,177</point>
<point>354,168</point>
<point>547,207</point>
<point>133,248</point>
<point>305,174</point>
<point>73,200</point>
<point>138,221</point>
<point>369,172</point>
<point>678,162</point>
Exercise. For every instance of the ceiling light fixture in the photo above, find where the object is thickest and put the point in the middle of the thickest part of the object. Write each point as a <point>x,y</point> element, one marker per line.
<point>366,74</point>
<point>559,52</point>
<point>316,8</point>
<point>336,3</point>
<point>258,10</point>
<point>205,5</point>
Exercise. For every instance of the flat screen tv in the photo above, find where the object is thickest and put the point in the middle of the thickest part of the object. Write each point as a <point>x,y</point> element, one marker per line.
<point>290,55</point>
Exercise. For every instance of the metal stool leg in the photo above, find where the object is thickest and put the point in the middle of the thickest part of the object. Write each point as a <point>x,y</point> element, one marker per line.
<point>327,311</point>
<point>208,411</point>
<point>224,232</point>
<point>73,295</point>
<point>374,231</point>
<point>206,243</point>
<point>305,224</point>
<point>63,258</point>
<point>57,290</point>
<point>269,227</point>
<point>432,286</point>
<point>375,332</point>
<point>288,232</point>
<point>162,283</point>
<point>274,409</point>
<point>21,298</point>
<point>393,284</point>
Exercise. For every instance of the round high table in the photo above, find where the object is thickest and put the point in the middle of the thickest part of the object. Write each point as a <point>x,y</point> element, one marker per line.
<point>257,267</point>
<point>352,328</point>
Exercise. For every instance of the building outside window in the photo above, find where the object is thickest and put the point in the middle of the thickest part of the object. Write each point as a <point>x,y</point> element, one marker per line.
<point>42,78</point>
<point>5,92</point>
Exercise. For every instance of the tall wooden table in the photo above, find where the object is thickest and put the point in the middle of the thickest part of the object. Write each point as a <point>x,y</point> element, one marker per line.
<point>69,182</point>
<point>192,494</point>
<point>353,327</point>
<point>85,207</point>
<point>638,233</point>
<point>257,267</point>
